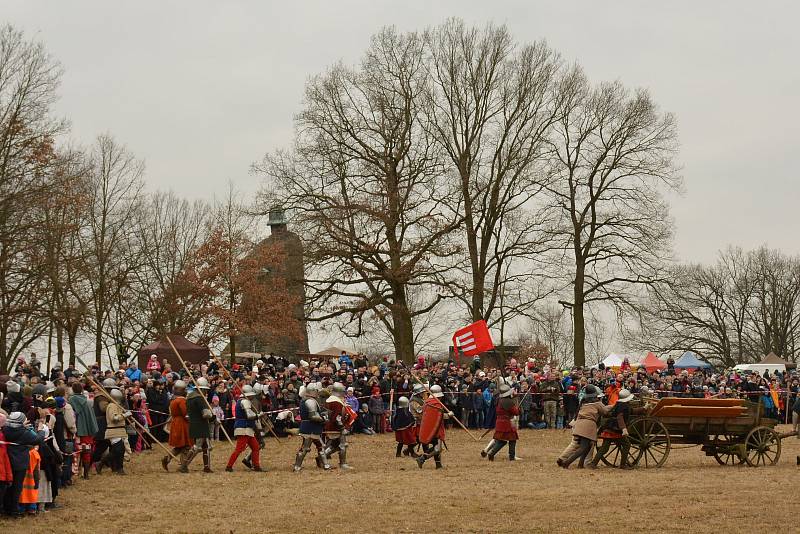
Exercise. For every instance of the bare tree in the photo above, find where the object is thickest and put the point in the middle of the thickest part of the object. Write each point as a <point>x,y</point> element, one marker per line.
<point>492,108</point>
<point>115,188</point>
<point>367,186</point>
<point>29,78</point>
<point>612,155</point>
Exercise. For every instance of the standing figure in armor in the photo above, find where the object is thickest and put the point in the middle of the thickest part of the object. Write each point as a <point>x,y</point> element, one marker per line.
<point>261,391</point>
<point>312,422</point>
<point>244,428</point>
<point>505,430</point>
<point>431,431</point>
<point>340,419</point>
<point>179,438</point>
<point>404,429</point>
<point>99,405</point>
<point>200,419</point>
<point>415,405</point>
<point>115,431</point>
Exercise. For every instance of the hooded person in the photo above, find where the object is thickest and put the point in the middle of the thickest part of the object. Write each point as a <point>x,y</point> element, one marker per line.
<point>615,430</point>
<point>340,420</point>
<point>505,430</point>
<point>200,420</point>
<point>85,425</point>
<point>179,438</point>
<point>584,430</point>
<point>244,429</point>
<point>431,432</point>
<point>153,364</point>
<point>403,426</point>
<point>312,423</point>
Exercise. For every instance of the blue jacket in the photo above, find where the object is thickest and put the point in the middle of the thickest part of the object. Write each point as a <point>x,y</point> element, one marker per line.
<point>133,374</point>
<point>25,440</point>
<point>344,359</point>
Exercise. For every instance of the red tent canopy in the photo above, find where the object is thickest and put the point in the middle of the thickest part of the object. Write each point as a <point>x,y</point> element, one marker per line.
<point>189,351</point>
<point>651,362</point>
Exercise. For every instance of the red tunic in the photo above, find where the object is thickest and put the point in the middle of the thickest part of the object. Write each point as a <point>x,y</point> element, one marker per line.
<point>503,429</point>
<point>433,405</point>
<point>179,425</point>
<point>335,409</point>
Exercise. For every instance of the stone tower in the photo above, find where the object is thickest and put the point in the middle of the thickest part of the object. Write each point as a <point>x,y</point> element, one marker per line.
<point>292,272</point>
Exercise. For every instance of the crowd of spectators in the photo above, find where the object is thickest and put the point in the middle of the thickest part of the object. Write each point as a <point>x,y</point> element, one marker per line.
<point>45,416</point>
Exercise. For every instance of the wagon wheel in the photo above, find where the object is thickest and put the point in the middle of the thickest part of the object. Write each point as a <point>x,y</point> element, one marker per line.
<point>727,453</point>
<point>613,456</point>
<point>649,442</point>
<point>763,447</point>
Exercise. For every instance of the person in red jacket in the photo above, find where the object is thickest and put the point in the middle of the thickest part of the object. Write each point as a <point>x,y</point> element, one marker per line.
<point>6,475</point>
<point>431,433</point>
<point>505,430</point>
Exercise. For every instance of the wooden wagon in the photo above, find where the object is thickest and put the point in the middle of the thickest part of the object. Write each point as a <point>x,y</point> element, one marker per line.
<point>733,431</point>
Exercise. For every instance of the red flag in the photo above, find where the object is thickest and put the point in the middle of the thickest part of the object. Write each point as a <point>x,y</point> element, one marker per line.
<point>473,339</point>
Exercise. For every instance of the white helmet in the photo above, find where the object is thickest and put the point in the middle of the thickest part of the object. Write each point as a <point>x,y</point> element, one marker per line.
<point>258,387</point>
<point>312,390</point>
<point>402,402</point>
<point>248,391</point>
<point>179,384</point>
<point>338,389</point>
<point>202,383</point>
<point>418,388</point>
<point>505,390</point>
<point>436,389</point>
<point>116,395</point>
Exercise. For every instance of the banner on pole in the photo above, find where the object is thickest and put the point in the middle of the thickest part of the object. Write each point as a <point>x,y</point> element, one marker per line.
<point>473,339</point>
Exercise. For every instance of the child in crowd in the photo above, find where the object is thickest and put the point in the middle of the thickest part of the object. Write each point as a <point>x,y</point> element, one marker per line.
<point>219,416</point>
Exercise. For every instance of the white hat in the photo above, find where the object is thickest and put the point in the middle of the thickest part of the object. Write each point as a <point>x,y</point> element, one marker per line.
<point>625,395</point>
<point>303,363</point>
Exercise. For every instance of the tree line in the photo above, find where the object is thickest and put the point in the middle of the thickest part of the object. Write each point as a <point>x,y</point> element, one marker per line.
<point>87,254</point>
<point>455,167</point>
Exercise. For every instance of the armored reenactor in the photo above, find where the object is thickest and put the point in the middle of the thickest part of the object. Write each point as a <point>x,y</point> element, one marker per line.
<point>179,438</point>
<point>505,430</point>
<point>415,405</point>
<point>115,431</point>
<point>312,424</point>
<point>431,432</point>
<point>339,420</point>
<point>404,429</point>
<point>99,406</point>
<point>244,429</point>
<point>200,419</point>
<point>258,404</point>
<point>615,429</point>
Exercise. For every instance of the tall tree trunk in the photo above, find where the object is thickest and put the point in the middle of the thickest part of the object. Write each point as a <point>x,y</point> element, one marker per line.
<point>60,342</point>
<point>403,329</point>
<point>73,351</point>
<point>578,324</point>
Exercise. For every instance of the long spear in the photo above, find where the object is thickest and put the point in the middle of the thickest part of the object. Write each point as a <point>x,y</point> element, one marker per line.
<point>189,372</point>
<point>132,419</point>
<point>420,382</point>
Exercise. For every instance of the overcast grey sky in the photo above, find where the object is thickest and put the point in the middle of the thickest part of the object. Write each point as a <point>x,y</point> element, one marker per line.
<point>200,89</point>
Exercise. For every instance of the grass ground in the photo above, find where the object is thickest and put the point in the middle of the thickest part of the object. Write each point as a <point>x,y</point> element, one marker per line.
<point>691,493</point>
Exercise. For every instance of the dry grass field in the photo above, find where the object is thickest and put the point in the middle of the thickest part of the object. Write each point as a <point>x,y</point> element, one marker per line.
<point>691,493</point>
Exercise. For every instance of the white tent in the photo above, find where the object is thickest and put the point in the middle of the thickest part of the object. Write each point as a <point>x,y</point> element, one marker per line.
<point>615,360</point>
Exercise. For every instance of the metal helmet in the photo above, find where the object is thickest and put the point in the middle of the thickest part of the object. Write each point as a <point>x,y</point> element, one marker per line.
<point>338,389</point>
<point>116,395</point>
<point>625,395</point>
<point>591,393</point>
<point>402,402</point>
<point>202,383</point>
<point>248,391</point>
<point>418,388</point>
<point>505,391</point>
<point>258,387</point>
<point>16,420</point>
<point>436,389</point>
<point>179,384</point>
<point>109,383</point>
<point>312,390</point>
